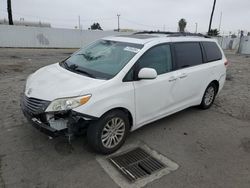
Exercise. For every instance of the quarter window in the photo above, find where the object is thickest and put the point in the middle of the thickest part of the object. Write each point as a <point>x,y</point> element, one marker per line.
<point>188,54</point>
<point>213,52</point>
<point>158,58</point>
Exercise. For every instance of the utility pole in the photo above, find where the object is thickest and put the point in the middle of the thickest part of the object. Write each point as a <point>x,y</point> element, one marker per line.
<point>211,18</point>
<point>79,23</point>
<point>118,16</point>
<point>9,12</point>
<point>220,20</point>
<point>196,27</point>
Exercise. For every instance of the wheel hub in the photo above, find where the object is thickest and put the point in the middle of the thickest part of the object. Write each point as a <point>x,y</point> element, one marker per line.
<point>113,132</point>
<point>209,96</point>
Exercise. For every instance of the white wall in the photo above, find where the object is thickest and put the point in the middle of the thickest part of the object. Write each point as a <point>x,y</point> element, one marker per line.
<point>235,44</point>
<point>245,45</point>
<point>37,37</point>
<point>228,43</point>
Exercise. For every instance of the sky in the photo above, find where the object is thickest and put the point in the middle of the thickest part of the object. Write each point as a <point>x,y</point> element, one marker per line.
<point>135,14</point>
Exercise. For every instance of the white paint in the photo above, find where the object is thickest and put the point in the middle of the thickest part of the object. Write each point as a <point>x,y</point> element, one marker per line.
<point>147,73</point>
<point>38,37</point>
<point>38,81</point>
<point>121,181</point>
<point>166,94</point>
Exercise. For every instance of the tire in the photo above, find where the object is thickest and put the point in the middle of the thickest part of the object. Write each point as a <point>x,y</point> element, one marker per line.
<point>209,96</point>
<point>100,133</point>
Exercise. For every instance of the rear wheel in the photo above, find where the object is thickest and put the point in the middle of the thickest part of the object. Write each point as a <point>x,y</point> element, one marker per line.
<point>209,96</point>
<point>108,133</point>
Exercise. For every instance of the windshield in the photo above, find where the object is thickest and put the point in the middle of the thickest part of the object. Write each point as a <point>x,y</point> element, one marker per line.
<point>103,59</point>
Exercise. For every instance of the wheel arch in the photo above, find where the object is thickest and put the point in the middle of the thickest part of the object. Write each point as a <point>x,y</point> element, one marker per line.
<point>126,111</point>
<point>216,82</point>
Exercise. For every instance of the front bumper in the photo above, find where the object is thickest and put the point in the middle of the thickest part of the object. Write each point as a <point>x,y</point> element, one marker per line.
<point>43,127</point>
<point>37,118</point>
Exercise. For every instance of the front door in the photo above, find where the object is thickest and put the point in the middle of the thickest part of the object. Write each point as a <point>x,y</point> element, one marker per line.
<point>154,98</point>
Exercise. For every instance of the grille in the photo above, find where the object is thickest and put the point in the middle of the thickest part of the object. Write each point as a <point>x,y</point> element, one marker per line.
<point>35,106</point>
<point>136,164</point>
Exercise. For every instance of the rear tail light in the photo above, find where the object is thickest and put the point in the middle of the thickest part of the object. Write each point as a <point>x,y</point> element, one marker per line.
<point>226,63</point>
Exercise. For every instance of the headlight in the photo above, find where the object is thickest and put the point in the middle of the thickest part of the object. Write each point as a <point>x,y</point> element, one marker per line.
<point>67,103</point>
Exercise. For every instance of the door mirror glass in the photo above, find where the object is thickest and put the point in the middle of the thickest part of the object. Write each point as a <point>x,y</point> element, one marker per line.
<point>147,73</point>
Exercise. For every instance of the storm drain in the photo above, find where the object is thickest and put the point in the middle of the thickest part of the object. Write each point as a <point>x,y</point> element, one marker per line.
<point>136,164</point>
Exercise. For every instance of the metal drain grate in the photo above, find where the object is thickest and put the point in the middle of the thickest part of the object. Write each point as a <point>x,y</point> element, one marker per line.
<point>136,164</point>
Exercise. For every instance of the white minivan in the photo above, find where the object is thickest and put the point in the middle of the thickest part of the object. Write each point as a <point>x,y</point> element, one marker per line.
<point>120,83</point>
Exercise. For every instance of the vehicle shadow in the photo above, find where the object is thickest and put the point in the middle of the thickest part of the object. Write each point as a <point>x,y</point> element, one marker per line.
<point>80,143</point>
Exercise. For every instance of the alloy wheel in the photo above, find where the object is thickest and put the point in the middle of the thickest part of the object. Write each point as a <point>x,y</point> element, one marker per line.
<point>209,96</point>
<point>113,132</point>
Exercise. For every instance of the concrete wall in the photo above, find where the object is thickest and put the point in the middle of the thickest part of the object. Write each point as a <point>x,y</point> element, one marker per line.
<point>235,44</point>
<point>37,37</point>
<point>228,43</point>
<point>245,45</point>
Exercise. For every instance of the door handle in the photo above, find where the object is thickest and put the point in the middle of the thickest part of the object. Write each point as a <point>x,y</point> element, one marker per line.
<point>183,75</point>
<point>172,78</point>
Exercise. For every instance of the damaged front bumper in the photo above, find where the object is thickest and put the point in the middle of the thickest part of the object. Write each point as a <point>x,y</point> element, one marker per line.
<point>67,123</point>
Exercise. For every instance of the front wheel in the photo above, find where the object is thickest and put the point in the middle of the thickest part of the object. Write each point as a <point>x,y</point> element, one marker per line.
<point>108,133</point>
<point>209,96</point>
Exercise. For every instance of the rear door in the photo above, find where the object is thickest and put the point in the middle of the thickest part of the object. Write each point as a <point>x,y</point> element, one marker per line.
<point>214,60</point>
<point>192,74</point>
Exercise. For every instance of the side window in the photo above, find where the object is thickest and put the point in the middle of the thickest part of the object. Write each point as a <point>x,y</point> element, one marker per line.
<point>188,54</point>
<point>212,51</point>
<point>158,58</point>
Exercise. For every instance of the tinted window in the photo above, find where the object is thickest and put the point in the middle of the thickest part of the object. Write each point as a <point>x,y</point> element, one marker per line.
<point>187,54</point>
<point>213,52</point>
<point>158,58</point>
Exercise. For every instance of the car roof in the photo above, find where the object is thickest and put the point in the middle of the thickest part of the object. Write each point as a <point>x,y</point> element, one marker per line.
<point>143,38</point>
<point>138,39</point>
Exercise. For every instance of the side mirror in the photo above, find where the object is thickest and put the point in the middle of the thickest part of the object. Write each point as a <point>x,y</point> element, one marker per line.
<point>147,73</point>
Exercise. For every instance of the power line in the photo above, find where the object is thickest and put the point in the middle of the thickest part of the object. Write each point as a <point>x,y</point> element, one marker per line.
<point>136,23</point>
<point>145,25</point>
<point>65,20</point>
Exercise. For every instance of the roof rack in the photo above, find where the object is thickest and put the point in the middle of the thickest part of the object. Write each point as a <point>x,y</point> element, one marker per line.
<point>173,34</point>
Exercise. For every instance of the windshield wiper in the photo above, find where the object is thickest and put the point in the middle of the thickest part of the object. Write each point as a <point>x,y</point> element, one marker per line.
<point>89,57</point>
<point>85,72</point>
<point>75,68</point>
<point>64,64</point>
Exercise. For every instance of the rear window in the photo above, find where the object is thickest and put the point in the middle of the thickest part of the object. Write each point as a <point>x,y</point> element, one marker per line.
<point>188,54</point>
<point>212,51</point>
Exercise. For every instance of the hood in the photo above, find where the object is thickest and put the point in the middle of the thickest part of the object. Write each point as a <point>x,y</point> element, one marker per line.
<point>53,81</point>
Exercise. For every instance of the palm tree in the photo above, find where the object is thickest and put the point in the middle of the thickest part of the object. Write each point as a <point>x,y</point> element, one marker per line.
<point>211,17</point>
<point>9,12</point>
<point>182,24</point>
<point>213,32</point>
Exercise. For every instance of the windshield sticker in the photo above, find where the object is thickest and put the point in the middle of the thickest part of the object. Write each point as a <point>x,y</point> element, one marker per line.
<point>131,49</point>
